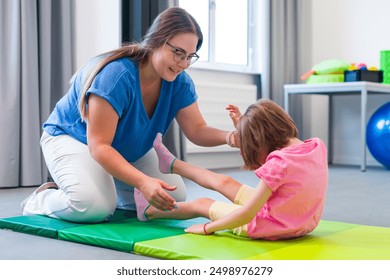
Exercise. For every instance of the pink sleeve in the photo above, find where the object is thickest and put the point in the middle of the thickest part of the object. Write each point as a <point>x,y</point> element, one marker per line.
<point>273,172</point>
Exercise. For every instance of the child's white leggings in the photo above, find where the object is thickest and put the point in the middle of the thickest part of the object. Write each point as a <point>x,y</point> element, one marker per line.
<point>87,193</point>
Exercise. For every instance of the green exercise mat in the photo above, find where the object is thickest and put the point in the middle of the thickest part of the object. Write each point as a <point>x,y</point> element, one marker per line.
<point>123,234</point>
<point>166,239</point>
<point>329,241</point>
<point>36,225</point>
<point>49,227</point>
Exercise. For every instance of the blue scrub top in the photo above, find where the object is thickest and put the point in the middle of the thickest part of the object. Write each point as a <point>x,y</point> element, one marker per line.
<point>118,83</point>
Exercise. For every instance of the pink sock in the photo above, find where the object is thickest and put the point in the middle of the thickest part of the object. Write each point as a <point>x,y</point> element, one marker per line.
<point>165,158</point>
<point>142,205</point>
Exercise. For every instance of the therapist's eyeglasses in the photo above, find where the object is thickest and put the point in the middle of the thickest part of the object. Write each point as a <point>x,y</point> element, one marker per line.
<point>180,55</point>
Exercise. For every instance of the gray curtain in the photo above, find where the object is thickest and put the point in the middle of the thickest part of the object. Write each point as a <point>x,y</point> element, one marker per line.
<point>287,49</point>
<point>35,67</point>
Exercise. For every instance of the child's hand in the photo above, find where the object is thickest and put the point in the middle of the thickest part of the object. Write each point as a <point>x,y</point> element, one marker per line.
<point>234,113</point>
<point>197,229</point>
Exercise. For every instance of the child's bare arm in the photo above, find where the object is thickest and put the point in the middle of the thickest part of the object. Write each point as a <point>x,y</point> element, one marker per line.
<point>234,113</point>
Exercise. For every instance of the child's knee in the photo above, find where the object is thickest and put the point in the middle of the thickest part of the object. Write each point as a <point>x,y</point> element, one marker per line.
<point>202,206</point>
<point>224,180</point>
<point>204,201</point>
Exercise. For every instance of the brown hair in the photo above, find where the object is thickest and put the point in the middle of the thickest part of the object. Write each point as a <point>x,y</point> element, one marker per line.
<point>167,24</point>
<point>263,128</point>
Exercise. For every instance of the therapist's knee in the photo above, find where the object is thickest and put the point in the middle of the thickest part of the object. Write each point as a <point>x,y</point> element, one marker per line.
<point>93,209</point>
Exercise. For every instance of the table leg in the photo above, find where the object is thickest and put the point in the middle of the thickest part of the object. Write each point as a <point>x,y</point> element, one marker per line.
<point>330,130</point>
<point>286,99</point>
<point>363,128</point>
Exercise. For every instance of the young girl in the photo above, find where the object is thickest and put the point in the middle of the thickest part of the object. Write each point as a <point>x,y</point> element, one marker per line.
<point>289,199</point>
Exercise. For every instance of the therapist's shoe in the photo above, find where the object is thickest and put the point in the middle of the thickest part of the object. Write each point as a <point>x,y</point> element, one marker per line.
<point>41,188</point>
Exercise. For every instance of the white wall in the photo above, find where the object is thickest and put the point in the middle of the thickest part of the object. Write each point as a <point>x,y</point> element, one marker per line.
<point>354,30</point>
<point>97,28</point>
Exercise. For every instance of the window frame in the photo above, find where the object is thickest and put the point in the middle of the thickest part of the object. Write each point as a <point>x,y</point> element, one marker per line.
<point>254,46</point>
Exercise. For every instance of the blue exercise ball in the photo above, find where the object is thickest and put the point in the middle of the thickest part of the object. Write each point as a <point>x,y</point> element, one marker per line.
<point>378,135</point>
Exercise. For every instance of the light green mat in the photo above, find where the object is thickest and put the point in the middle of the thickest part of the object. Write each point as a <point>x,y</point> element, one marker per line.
<point>165,239</point>
<point>329,241</point>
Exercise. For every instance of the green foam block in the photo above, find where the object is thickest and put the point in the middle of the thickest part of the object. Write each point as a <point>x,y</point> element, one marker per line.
<point>330,241</point>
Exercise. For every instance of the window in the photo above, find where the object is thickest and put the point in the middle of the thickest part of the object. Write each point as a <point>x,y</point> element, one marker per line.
<point>231,40</point>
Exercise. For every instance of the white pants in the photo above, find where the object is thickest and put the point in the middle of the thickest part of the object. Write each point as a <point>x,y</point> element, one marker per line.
<point>87,193</point>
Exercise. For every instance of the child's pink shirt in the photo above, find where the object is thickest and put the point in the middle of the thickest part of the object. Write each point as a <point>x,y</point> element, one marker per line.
<point>298,177</point>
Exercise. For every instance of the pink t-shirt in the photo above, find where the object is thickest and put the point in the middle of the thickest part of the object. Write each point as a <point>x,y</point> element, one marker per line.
<point>298,177</point>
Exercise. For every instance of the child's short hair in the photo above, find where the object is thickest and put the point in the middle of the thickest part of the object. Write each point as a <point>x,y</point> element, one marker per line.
<point>263,128</point>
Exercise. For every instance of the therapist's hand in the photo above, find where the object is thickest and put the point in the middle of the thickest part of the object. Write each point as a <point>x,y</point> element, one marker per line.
<point>153,191</point>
